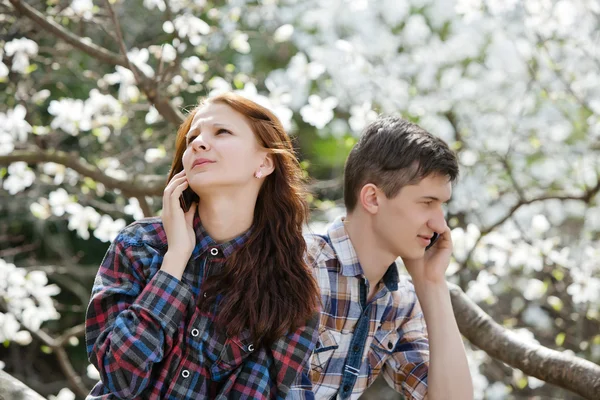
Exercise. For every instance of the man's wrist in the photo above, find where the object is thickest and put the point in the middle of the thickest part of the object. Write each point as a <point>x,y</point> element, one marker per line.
<point>431,292</point>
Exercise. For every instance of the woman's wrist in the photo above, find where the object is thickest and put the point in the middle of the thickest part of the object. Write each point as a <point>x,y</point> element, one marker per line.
<point>174,264</point>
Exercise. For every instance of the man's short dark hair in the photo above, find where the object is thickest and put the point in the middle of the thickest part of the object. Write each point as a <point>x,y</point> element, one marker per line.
<point>392,153</point>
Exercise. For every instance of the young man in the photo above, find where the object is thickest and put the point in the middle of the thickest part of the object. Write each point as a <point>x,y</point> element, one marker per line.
<point>397,179</point>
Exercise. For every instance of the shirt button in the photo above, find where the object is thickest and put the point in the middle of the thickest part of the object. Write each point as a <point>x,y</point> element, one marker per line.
<point>214,251</point>
<point>250,347</point>
<point>195,332</point>
<point>390,345</point>
<point>185,373</point>
<point>346,388</point>
<point>356,348</point>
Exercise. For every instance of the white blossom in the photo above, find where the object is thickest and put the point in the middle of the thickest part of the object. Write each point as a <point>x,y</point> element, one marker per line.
<point>20,177</point>
<point>21,50</point>
<point>108,229</point>
<point>13,127</point>
<point>318,112</point>
<point>84,8</point>
<point>134,209</point>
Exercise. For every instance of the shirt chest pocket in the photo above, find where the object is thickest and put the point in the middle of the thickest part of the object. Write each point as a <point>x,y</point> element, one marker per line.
<point>218,353</point>
<point>233,354</point>
<point>326,346</point>
<point>382,347</point>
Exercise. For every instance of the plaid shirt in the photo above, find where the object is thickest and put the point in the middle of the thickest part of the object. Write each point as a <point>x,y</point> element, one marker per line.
<point>360,339</point>
<point>148,339</point>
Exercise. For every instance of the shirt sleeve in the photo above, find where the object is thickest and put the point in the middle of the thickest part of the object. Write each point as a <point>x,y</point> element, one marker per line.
<point>131,323</point>
<point>291,355</point>
<point>407,368</point>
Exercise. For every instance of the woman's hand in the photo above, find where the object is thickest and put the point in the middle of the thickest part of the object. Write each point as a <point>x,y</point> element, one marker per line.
<point>178,226</point>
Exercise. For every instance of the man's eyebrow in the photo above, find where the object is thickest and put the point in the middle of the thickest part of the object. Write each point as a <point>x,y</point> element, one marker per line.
<point>434,198</point>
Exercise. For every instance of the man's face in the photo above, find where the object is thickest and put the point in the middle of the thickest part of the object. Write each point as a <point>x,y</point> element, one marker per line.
<point>405,223</point>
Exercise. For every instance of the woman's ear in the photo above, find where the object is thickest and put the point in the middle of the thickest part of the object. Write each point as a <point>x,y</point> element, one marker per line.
<point>268,165</point>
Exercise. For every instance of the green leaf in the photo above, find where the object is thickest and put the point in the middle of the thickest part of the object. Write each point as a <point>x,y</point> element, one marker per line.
<point>555,303</point>
<point>560,339</point>
<point>31,68</point>
<point>558,274</point>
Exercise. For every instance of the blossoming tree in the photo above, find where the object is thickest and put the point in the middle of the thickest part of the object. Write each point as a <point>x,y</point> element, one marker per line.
<point>92,94</point>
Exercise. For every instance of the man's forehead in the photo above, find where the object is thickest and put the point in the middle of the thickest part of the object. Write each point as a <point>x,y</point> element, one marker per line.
<point>434,186</point>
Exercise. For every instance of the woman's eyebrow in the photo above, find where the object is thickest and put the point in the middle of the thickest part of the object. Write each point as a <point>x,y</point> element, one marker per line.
<point>214,125</point>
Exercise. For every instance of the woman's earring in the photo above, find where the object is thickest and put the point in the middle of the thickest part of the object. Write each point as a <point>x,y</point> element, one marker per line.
<point>258,174</point>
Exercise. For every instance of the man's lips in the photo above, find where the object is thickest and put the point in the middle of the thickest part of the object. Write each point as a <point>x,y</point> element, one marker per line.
<point>425,240</point>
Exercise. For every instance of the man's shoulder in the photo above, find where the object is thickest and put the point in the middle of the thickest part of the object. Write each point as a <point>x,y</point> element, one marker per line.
<point>318,249</point>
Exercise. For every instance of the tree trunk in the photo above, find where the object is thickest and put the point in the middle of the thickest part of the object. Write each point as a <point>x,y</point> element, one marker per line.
<point>13,389</point>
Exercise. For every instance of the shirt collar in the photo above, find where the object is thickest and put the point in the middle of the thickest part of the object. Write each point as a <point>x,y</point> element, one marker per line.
<point>205,243</point>
<point>346,255</point>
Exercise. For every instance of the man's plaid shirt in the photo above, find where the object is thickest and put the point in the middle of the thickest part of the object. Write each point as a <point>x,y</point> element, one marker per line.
<point>360,339</point>
<point>148,340</point>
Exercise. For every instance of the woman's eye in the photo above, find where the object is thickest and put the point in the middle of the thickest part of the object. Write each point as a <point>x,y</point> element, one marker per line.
<point>222,131</point>
<point>190,139</point>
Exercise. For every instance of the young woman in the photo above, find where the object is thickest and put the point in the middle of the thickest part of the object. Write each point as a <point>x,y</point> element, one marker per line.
<point>216,302</point>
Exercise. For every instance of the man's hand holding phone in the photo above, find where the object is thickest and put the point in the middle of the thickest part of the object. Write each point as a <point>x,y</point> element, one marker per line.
<point>178,226</point>
<point>432,266</point>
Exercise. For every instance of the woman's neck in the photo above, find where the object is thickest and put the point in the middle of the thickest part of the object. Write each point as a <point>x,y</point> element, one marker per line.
<point>224,217</point>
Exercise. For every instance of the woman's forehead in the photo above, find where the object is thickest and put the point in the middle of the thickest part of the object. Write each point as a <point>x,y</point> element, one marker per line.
<point>213,114</point>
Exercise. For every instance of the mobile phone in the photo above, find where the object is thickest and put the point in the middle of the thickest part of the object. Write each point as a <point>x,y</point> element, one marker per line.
<point>187,198</point>
<point>434,239</point>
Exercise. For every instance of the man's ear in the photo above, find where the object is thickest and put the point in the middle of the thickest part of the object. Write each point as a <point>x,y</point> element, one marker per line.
<point>368,198</point>
<point>268,165</point>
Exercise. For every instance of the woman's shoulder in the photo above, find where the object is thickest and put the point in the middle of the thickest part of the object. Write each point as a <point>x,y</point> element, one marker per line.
<point>145,231</point>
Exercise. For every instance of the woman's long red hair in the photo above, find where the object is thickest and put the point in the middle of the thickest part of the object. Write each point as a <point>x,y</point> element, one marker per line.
<point>266,285</point>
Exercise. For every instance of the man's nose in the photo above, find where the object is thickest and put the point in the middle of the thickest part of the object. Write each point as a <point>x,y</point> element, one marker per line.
<point>437,222</point>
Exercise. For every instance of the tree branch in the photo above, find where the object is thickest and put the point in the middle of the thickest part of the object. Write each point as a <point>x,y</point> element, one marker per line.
<point>586,197</point>
<point>57,30</point>
<point>139,187</point>
<point>121,42</point>
<point>144,206</point>
<point>12,388</point>
<point>148,86</point>
<point>72,376</point>
<point>145,185</point>
<point>572,373</point>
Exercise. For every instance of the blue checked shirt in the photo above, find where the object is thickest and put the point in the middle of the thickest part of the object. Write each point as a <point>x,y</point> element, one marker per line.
<point>358,340</point>
<point>148,339</point>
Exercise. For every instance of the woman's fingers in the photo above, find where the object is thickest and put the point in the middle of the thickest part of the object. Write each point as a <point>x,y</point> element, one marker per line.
<point>175,181</point>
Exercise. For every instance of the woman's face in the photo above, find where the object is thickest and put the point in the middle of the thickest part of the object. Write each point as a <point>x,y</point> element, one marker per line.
<point>222,150</point>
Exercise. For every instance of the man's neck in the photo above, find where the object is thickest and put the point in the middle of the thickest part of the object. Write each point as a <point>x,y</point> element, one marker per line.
<point>373,258</point>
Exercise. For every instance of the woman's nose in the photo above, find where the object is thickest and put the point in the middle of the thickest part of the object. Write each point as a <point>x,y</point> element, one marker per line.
<point>199,143</point>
